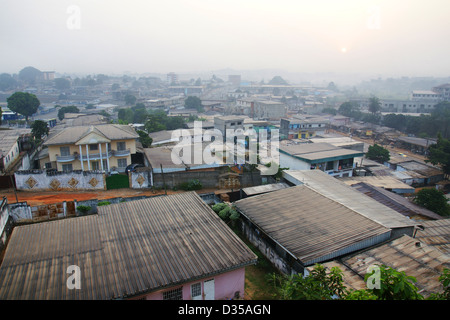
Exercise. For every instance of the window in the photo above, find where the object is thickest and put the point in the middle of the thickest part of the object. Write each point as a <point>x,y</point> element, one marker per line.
<point>121,146</point>
<point>196,291</point>
<point>65,151</point>
<point>122,163</point>
<point>67,167</point>
<point>93,147</point>
<point>175,294</point>
<point>95,165</point>
<point>48,165</point>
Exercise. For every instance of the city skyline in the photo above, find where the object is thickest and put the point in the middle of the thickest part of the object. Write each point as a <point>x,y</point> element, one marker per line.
<point>403,38</point>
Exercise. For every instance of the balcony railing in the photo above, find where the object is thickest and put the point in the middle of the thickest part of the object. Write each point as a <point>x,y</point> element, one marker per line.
<point>93,156</point>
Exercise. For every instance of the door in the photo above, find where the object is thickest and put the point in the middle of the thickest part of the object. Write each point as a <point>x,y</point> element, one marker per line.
<point>208,287</point>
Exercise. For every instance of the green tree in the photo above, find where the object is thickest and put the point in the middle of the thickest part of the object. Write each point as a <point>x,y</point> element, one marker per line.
<point>193,102</point>
<point>69,109</point>
<point>126,115</point>
<point>374,105</point>
<point>444,279</point>
<point>318,285</point>
<point>7,82</point>
<point>378,153</point>
<point>29,75</point>
<point>347,108</point>
<point>62,83</point>
<point>434,200</point>
<point>394,285</point>
<point>39,129</point>
<point>144,138</point>
<point>130,99</point>
<point>23,103</point>
<point>439,154</point>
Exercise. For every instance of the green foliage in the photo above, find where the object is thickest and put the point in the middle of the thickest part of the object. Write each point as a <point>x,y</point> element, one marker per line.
<point>193,184</point>
<point>117,181</point>
<point>378,153</point>
<point>193,102</point>
<point>103,203</point>
<point>157,121</point>
<point>23,103</point>
<point>83,209</point>
<point>433,200</point>
<point>394,285</point>
<point>225,212</point>
<point>39,129</point>
<point>318,285</point>
<point>439,154</point>
<point>69,109</point>
<point>444,279</point>
<point>348,108</point>
<point>331,111</point>
<point>374,105</point>
<point>144,138</point>
<point>130,99</point>
<point>7,82</point>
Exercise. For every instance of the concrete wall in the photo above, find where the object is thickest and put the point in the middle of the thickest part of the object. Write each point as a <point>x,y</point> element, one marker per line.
<point>39,180</point>
<point>226,286</point>
<point>208,178</point>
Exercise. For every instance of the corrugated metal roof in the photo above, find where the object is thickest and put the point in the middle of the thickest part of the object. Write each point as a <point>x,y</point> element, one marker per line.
<point>127,249</point>
<point>436,234</point>
<point>340,192</point>
<point>309,225</point>
<point>396,202</point>
<point>407,254</point>
<point>318,151</point>
<point>386,182</point>
<point>251,191</point>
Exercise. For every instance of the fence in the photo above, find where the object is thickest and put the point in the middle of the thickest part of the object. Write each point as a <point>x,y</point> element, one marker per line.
<point>39,180</point>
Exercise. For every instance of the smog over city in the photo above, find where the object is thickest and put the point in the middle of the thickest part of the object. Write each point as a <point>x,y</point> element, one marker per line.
<point>245,151</point>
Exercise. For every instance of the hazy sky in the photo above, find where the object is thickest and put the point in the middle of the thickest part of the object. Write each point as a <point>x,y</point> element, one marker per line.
<point>405,37</point>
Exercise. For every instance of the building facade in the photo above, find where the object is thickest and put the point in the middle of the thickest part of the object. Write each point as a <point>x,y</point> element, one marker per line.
<point>103,147</point>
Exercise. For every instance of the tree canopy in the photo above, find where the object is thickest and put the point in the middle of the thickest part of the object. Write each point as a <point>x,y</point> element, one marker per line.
<point>433,200</point>
<point>374,105</point>
<point>69,109</point>
<point>23,103</point>
<point>193,102</point>
<point>439,154</point>
<point>39,129</point>
<point>378,153</point>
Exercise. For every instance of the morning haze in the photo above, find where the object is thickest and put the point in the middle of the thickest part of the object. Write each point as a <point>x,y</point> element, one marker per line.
<point>392,38</point>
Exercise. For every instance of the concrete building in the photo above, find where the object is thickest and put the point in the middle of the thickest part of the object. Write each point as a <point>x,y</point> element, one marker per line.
<point>224,123</point>
<point>302,128</point>
<point>106,147</point>
<point>333,160</point>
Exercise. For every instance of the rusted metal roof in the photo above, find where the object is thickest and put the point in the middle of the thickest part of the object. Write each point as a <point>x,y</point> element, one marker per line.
<point>310,226</point>
<point>396,202</point>
<point>407,254</point>
<point>436,234</point>
<point>128,249</point>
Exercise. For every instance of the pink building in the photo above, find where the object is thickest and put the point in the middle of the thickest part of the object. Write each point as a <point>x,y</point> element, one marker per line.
<point>158,248</point>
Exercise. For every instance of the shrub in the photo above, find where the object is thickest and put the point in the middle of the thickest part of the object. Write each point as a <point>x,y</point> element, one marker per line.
<point>191,185</point>
<point>103,203</point>
<point>83,209</point>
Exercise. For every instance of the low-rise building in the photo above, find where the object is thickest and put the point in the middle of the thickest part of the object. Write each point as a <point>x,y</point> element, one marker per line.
<point>159,248</point>
<point>333,160</point>
<point>106,147</point>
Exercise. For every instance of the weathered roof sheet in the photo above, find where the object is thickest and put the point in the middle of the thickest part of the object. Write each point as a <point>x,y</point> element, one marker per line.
<point>396,202</point>
<point>312,152</point>
<point>127,249</point>
<point>386,182</point>
<point>71,135</point>
<point>340,192</point>
<point>309,225</point>
<point>407,254</point>
<point>251,191</point>
<point>436,234</point>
